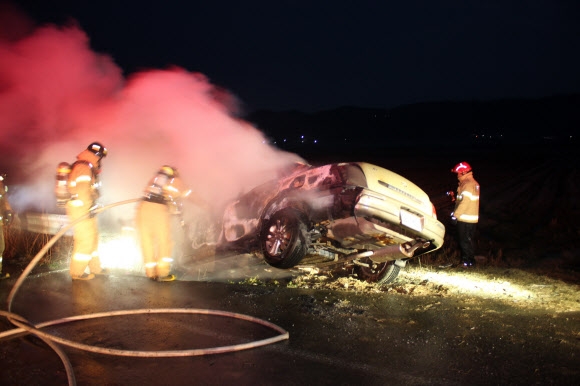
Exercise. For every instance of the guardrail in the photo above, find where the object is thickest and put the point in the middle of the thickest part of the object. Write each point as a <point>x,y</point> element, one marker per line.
<point>45,223</point>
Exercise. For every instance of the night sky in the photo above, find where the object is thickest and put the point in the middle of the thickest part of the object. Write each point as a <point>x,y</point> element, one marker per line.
<point>314,55</point>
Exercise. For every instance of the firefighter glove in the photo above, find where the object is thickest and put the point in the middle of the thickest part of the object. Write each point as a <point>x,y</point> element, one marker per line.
<point>451,195</point>
<point>453,219</point>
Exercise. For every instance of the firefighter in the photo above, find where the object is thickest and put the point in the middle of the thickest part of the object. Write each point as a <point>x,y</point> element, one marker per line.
<point>6,217</point>
<point>83,185</point>
<point>466,213</point>
<point>162,199</point>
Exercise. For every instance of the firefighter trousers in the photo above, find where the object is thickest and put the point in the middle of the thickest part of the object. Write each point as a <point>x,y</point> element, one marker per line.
<point>466,235</point>
<point>154,226</point>
<point>85,242</point>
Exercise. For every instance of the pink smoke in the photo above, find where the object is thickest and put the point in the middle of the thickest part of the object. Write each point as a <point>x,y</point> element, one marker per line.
<point>57,96</point>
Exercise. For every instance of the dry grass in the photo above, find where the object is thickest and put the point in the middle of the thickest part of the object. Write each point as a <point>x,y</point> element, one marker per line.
<point>22,246</point>
<point>513,286</point>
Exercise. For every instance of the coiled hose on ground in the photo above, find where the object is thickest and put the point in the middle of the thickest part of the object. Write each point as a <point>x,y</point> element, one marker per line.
<point>51,340</point>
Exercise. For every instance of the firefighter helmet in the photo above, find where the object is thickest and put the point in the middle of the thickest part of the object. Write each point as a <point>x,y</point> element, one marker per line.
<point>461,168</point>
<point>97,149</point>
<point>169,171</point>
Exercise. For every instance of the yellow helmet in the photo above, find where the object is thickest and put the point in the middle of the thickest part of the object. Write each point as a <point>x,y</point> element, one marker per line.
<point>169,171</point>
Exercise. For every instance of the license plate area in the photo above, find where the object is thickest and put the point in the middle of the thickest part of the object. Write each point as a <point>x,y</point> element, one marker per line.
<point>412,220</point>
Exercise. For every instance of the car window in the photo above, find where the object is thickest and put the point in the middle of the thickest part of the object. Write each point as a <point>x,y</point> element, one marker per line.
<point>353,175</point>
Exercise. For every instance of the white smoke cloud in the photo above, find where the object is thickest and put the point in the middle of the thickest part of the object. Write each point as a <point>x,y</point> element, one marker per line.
<point>57,96</point>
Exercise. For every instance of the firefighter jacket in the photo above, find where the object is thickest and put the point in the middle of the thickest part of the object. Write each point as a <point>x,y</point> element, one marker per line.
<point>467,202</point>
<point>83,183</point>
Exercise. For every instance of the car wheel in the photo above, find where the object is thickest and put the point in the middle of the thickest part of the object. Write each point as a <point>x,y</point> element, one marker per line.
<point>382,273</point>
<point>283,239</point>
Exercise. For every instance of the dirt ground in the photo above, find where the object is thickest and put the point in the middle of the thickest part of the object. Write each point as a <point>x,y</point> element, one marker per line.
<point>521,288</point>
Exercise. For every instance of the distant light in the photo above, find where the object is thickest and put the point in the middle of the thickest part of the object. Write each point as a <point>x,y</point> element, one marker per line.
<point>315,141</point>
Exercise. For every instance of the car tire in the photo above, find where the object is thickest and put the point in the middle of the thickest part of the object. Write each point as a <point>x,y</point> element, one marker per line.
<point>383,273</point>
<point>283,239</point>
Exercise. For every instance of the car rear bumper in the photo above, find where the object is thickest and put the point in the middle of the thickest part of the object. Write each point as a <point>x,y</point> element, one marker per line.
<point>401,222</point>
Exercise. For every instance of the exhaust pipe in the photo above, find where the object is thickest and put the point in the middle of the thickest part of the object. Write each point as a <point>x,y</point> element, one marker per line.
<point>394,252</point>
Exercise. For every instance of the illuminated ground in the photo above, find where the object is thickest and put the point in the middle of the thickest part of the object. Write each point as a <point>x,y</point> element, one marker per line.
<point>514,287</point>
<point>555,289</point>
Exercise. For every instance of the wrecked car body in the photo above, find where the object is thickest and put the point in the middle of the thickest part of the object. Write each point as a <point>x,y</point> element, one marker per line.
<point>356,214</point>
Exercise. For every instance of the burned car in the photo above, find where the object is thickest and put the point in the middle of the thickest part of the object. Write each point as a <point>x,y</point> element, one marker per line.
<point>354,214</point>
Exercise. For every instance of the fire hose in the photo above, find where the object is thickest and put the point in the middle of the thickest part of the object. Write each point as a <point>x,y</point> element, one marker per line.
<point>51,340</point>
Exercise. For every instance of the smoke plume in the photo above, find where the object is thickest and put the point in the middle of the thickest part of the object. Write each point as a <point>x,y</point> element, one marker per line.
<point>57,96</point>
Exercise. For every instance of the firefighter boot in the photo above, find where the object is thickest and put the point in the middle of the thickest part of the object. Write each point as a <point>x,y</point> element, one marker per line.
<point>84,276</point>
<point>103,272</point>
<point>166,278</point>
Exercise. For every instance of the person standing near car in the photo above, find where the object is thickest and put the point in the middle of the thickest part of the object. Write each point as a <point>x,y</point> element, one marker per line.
<point>6,217</point>
<point>466,212</point>
<point>162,199</point>
<point>83,185</point>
